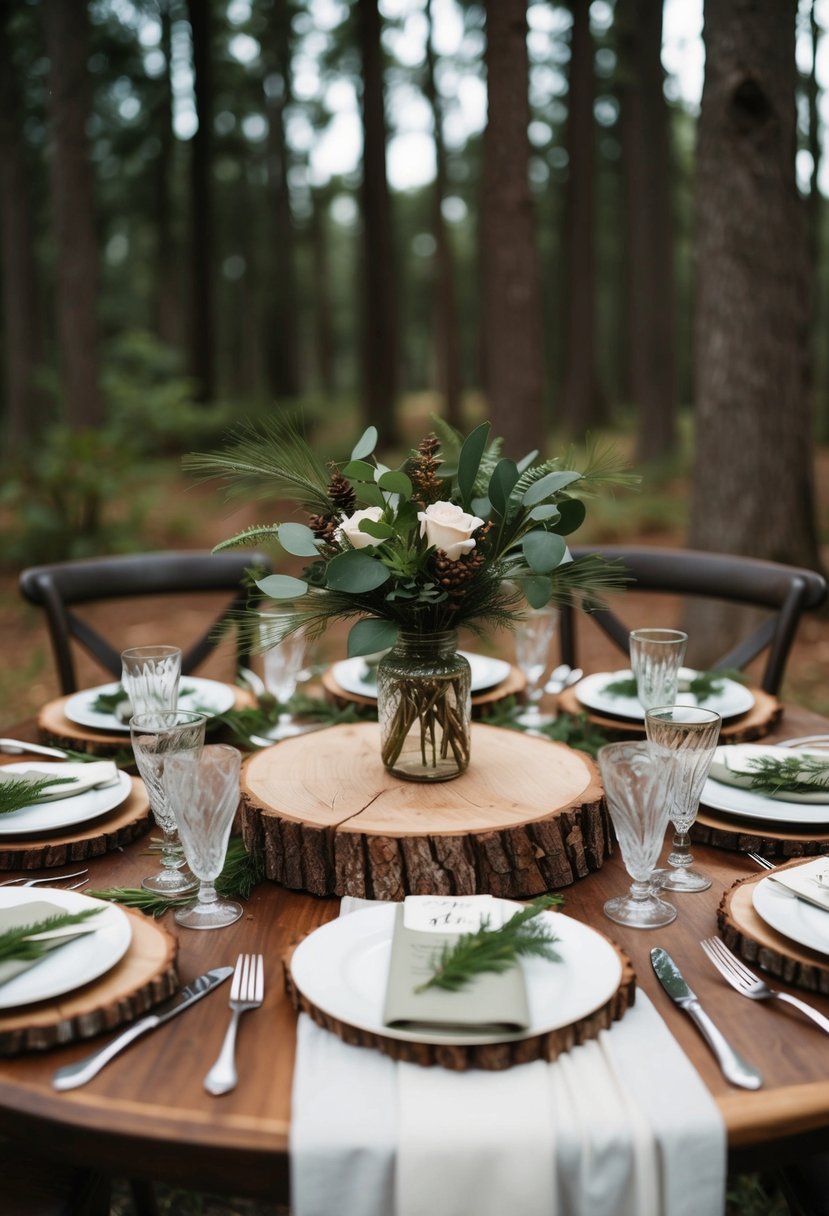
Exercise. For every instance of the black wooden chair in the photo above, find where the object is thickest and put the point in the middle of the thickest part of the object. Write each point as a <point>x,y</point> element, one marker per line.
<point>59,588</point>
<point>785,591</point>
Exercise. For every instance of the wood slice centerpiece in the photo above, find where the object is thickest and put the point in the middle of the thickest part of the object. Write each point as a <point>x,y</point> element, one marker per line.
<point>756,723</point>
<point>527,816</point>
<point>145,976</point>
<point>748,935</point>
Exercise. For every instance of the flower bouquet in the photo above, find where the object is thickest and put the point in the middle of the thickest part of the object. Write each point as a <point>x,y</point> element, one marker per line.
<point>457,535</point>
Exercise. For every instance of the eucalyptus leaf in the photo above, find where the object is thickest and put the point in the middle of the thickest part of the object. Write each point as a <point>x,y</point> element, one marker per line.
<point>376,528</point>
<point>573,513</point>
<point>355,572</point>
<point>298,540</point>
<point>501,484</point>
<point>543,550</point>
<point>396,482</point>
<point>470,460</point>
<point>481,507</point>
<point>359,470</point>
<point>546,510</point>
<point>527,460</point>
<point>370,635</point>
<point>366,444</point>
<point>370,494</point>
<point>537,589</point>
<point>551,483</point>
<point>282,586</point>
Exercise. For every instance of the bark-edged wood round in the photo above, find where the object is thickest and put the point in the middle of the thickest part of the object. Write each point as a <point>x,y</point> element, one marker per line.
<point>528,816</point>
<point>145,976</point>
<point>756,723</point>
<point>111,831</point>
<point>748,935</point>
<point>491,1057</point>
<point>511,686</point>
<point>755,836</point>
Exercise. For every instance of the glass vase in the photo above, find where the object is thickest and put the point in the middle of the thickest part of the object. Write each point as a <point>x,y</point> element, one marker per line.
<point>424,707</point>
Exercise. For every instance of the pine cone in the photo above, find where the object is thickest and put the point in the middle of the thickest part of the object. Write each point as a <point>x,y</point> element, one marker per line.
<point>427,486</point>
<point>341,491</point>
<point>324,527</point>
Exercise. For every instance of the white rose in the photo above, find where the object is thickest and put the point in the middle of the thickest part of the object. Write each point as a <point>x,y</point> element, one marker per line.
<point>350,527</point>
<point>448,528</point>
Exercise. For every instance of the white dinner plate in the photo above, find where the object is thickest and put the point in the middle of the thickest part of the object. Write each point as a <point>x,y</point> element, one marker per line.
<point>734,699</point>
<point>343,966</point>
<point>350,674</point>
<point>75,964</point>
<point>750,804</point>
<point>794,918</point>
<point>63,812</point>
<point>203,696</point>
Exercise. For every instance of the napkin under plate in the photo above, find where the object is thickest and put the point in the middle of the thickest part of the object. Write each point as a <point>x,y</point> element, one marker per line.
<point>83,777</point>
<point>732,765</point>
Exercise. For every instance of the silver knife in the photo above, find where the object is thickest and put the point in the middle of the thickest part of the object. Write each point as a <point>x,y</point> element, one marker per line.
<point>74,1075</point>
<point>735,1069</point>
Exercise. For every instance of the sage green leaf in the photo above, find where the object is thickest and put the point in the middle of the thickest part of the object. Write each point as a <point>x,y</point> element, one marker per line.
<point>282,586</point>
<point>481,507</point>
<point>470,460</point>
<point>359,470</point>
<point>367,493</point>
<point>395,482</point>
<point>552,483</point>
<point>370,635</point>
<point>365,445</point>
<point>376,528</point>
<point>547,510</point>
<point>573,512</point>
<point>537,589</point>
<point>543,550</point>
<point>527,460</point>
<point>501,484</point>
<point>298,539</point>
<point>355,572</point>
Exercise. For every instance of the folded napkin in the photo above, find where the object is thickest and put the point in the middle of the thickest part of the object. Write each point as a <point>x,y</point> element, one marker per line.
<point>52,939</point>
<point>423,925</point>
<point>737,765</point>
<point>805,881</point>
<point>620,1126</point>
<point>81,777</point>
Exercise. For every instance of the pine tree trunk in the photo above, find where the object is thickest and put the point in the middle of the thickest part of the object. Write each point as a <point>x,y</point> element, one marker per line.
<point>67,42</point>
<point>167,306</point>
<point>581,403</point>
<point>323,326</point>
<point>202,342</point>
<point>753,485</point>
<point>380,338</point>
<point>650,277</point>
<point>511,314</point>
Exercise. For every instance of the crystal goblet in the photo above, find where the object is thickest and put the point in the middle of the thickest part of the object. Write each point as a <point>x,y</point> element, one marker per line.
<point>634,789</point>
<point>655,658</point>
<point>534,635</point>
<point>157,736</point>
<point>150,677</point>
<point>203,792</point>
<point>683,739</point>
<point>284,657</point>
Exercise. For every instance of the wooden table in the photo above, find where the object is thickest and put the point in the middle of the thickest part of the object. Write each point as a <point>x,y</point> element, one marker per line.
<point>147,1114</point>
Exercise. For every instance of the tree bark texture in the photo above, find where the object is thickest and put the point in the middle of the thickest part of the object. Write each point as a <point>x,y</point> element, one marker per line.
<point>753,484</point>
<point>321,272</point>
<point>380,339</point>
<point>25,405</point>
<point>167,301</point>
<point>512,312</point>
<point>67,43</point>
<point>202,341</point>
<point>581,400</point>
<point>650,273</point>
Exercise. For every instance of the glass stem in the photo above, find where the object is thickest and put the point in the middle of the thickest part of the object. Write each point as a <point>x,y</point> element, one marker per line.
<point>639,890</point>
<point>681,857</point>
<point>172,857</point>
<point>207,892</point>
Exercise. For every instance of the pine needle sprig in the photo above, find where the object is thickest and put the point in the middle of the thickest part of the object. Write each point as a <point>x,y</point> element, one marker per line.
<point>791,775</point>
<point>17,943</point>
<point>523,935</point>
<point>16,794</point>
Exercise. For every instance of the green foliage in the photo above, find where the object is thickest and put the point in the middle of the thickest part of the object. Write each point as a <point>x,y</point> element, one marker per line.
<point>20,943</point>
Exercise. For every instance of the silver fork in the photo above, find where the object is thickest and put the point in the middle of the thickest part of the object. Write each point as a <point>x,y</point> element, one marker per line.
<point>762,862</point>
<point>51,880</point>
<point>746,982</point>
<point>247,992</point>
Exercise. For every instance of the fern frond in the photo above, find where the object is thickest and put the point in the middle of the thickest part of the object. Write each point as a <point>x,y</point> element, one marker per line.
<point>251,537</point>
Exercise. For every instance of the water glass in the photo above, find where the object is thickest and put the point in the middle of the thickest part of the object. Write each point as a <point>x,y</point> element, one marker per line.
<point>156,737</point>
<point>634,789</point>
<point>655,658</point>
<point>150,677</point>
<point>683,739</point>
<point>284,656</point>
<point>534,635</point>
<point>203,793</point>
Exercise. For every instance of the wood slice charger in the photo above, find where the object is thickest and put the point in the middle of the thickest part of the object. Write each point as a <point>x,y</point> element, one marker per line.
<point>527,816</point>
<point>145,976</point>
<point>755,723</point>
<point>489,1056</point>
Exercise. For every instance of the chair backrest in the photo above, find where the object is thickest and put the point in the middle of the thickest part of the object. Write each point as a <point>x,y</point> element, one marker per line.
<point>60,587</point>
<point>786,591</point>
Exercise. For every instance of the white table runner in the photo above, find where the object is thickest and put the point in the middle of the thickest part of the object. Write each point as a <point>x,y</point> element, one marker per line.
<point>621,1126</point>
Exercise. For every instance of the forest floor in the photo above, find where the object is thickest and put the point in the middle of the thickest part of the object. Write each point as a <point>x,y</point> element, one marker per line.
<point>192,517</point>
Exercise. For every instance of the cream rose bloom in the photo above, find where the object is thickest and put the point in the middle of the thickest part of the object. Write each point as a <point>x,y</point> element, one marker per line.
<point>350,527</point>
<point>448,528</point>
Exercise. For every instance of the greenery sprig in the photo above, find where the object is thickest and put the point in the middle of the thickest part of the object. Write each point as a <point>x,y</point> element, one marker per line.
<point>243,723</point>
<point>702,686</point>
<point>108,702</point>
<point>20,792</point>
<point>791,775</point>
<point>459,962</point>
<point>18,943</point>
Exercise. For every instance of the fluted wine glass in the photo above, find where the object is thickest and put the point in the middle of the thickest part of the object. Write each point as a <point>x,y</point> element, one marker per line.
<point>683,739</point>
<point>634,789</point>
<point>655,658</point>
<point>534,635</point>
<point>203,792</point>
<point>157,736</point>
<point>283,659</point>
<point>150,677</point>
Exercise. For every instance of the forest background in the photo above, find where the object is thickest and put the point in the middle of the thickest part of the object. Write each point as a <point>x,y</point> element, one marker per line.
<point>200,224</point>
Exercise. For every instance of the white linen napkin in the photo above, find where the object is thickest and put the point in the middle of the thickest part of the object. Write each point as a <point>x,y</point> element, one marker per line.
<point>621,1126</point>
<point>733,765</point>
<point>78,778</point>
